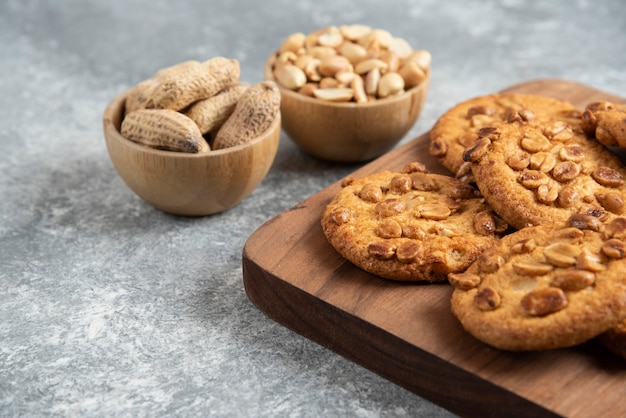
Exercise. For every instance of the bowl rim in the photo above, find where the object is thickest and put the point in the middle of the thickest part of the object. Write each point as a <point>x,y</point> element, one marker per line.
<point>117,104</point>
<point>268,74</point>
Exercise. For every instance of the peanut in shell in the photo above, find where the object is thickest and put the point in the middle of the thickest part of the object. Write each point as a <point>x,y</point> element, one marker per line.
<point>164,129</point>
<point>210,113</point>
<point>183,85</point>
<point>255,111</point>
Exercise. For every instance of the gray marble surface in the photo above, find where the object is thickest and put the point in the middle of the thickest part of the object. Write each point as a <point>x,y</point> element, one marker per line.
<point>109,307</point>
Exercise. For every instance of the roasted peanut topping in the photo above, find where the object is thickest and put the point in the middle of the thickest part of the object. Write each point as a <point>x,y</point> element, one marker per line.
<point>487,299</point>
<point>607,177</point>
<point>582,221</point>
<point>574,235</point>
<point>600,105</point>
<point>422,182</point>
<point>615,229</point>
<point>476,151</point>
<point>490,263</point>
<point>613,202</point>
<point>485,223</point>
<point>532,268</point>
<point>614,248</point>
<point>545,301</point>
<point>415,167</point>
<point>413,232</point>
<point>463,191</point>
<point>572,152</point>
<point>518,162</point>
<point>478,121</point>
<point>567,196</point>
<point>561,254</point>
<point>347,181</point>
<point>389,207</point>
<point>381,250</point>
<point>452,203</point>
<point>464,173</point>
<point>554,128</point>
<point>595,211</point>
<point>566,171</point>
<point>341,215</point>
<point>488,132</point>
<point>542,161</point>
<point>480,110</point>
<point>389,229</point>
<point>434,211</point>
<point>527,115</point>
<point>401,184</point>
<point>590,261</point>
<point>535,142</point>
<point>371,193</point>
<point>464,281</point>
<point>573,280</point>
<point>408,252</point>
<point>521,115</point>
<point>524,246</point>
<point>548,193</point>
<point>532,179</point>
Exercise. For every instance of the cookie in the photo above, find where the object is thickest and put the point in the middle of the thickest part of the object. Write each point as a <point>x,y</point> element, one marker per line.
<point>545,287</point>
<point>614,339</point>
<point>456,129</point>
<point>542,172</point>
<point>606,122</point>
<point>410,225</point>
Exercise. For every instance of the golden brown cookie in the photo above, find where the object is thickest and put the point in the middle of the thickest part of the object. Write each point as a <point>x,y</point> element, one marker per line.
<point>535,173</point>
<point>410,225</point>
<point>606,122</point>
<point>545,287</point>
<point>456,129</point>
<point>615,339</point>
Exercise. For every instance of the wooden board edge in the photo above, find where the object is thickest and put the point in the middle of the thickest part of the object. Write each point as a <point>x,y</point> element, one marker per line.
<point>456,392</point>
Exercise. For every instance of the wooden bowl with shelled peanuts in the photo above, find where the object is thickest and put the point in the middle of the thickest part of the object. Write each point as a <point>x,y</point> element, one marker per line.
<point>349,93</point>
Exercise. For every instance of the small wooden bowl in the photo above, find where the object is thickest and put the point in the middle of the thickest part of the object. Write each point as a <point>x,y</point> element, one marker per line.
<point>189,184</point>
<point>348,132</point>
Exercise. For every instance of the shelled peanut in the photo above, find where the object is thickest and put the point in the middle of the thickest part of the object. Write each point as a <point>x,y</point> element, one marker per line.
<point>183,107</point>
<point>349,63</point>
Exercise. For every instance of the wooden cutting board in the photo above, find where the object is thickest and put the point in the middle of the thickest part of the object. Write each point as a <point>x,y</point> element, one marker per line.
<point>406,332</point>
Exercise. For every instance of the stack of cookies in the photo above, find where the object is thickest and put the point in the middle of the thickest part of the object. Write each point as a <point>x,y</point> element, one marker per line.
<point>530,229</point>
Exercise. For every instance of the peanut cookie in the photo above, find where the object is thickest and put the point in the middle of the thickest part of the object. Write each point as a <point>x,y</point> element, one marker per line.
<point>410,225</point>
<point>606,122</point>
<point>544,287</point>
<point>615,339</point>
<point>535,173</point>
<point>456,129</point>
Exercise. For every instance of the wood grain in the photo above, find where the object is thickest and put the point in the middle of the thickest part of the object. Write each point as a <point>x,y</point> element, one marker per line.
<point>405,332</point>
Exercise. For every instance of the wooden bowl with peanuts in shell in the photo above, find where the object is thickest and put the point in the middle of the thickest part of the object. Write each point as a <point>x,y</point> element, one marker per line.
<point>192,139</point>
<point>349,93</point>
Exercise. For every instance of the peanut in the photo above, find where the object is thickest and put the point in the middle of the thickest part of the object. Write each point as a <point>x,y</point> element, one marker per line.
<point>290,76</point>
<point>209,114</point>
<point>139,95</point>
<point>348,52</point>
<point>182,85</point>
<point>255,111</point>
<point>136,98</point>
<point>390,84</point>
<point>164,129</point>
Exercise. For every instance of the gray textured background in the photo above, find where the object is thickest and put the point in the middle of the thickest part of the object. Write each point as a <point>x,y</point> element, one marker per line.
<point>111,308</point>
